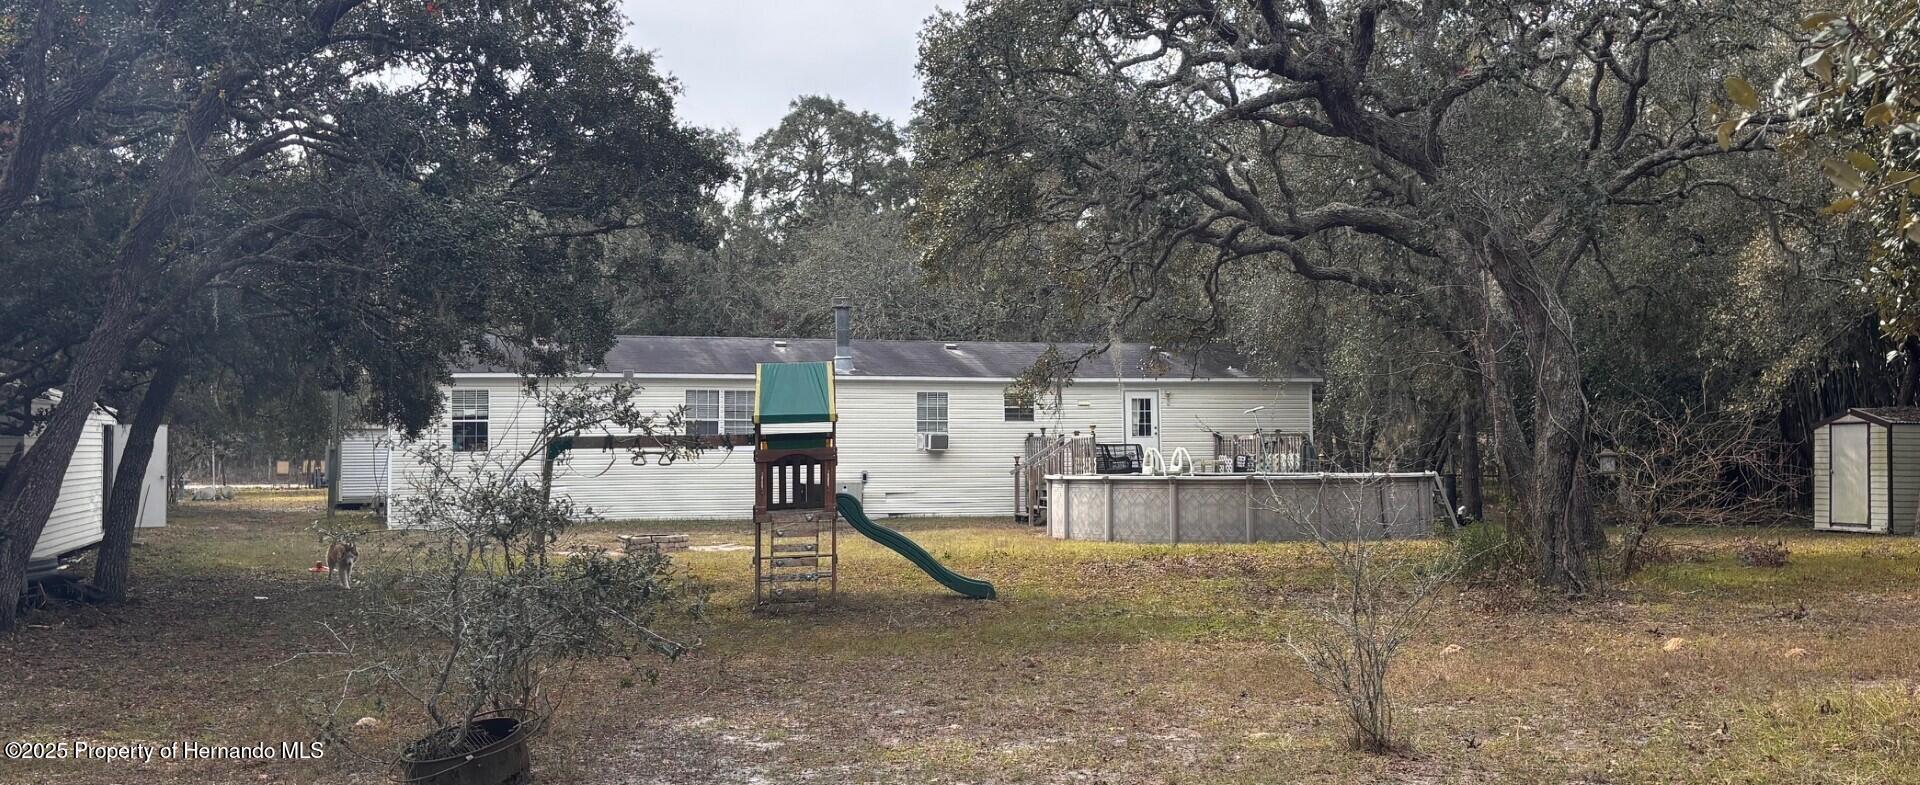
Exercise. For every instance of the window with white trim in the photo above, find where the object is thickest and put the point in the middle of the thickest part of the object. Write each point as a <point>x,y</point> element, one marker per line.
<point>736,415</point>
<point>468,416</point>
<point>714,412</point>
<point>930,412</point>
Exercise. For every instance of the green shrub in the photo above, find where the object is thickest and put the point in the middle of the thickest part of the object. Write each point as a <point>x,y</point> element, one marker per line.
<point>1484,551</point>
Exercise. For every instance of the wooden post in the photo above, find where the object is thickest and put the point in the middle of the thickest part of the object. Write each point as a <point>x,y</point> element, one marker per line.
<point>1019,502</point>
<point>333,457</point>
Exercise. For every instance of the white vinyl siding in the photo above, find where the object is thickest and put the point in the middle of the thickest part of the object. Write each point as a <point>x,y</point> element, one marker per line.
<point>878,420</point>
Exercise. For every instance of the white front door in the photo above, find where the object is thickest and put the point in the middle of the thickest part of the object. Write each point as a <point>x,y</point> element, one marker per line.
<point>1143,418</point>
<point>1849,485</point>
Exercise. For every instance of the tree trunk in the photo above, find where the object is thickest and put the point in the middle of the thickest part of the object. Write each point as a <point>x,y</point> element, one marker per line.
<point>129,483</point>
<point>32,488</point>
<point>1552,488</point>
<point>28,496</point>
<point>1491,335</point>
<point>1470,496</point>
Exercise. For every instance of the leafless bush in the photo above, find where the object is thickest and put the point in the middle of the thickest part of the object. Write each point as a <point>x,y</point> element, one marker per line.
<point>1654,550</point>
<point>1754,552</point>
<point>1379,600</point>
<point>1688,467</point>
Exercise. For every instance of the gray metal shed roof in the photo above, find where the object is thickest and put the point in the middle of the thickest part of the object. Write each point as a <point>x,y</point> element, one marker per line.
<point>1883,415</point>
<point>705,356</point>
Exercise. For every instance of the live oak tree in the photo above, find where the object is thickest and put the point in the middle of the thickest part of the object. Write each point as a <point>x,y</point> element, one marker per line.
<point>823,157</point>
<point>825,199</point>
<point>402,182</point>
<point>1470,156</point>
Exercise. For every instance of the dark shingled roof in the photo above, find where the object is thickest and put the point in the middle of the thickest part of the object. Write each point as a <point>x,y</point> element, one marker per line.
<point>691,355</point>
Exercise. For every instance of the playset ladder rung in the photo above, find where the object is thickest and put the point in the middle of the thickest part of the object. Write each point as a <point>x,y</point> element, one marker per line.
<point>796,547</point>
<point>796,577</point>
<point>793,561</point>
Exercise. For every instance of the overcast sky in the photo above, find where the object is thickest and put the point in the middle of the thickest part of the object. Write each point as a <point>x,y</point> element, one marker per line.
<point>739,62</point>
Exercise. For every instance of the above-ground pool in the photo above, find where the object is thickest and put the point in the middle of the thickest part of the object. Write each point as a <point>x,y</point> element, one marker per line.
<point>1203,508</point>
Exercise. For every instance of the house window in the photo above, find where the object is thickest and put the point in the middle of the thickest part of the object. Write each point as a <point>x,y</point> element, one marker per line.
<point>1019,408</point>
<point>714,412</point>
<point>738,413</point>
<point>469,417</point>
<point>930,412</point>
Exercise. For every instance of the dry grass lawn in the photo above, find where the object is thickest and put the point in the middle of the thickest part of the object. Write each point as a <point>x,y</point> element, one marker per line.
<point>1101,663</point>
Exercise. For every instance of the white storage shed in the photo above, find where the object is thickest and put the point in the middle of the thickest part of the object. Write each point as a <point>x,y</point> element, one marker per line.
<point>365,455</point>
<point>76,523</point>
<point>1866,471</point>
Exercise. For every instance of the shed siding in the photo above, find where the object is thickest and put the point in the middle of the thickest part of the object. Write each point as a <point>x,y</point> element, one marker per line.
<point>76,519</point>
<point>363,466</point>
<point>1877,478</point>
<point>152,512</point>
<point>1821,449</point>
<point>1903,470</point>
<point>877,437</point>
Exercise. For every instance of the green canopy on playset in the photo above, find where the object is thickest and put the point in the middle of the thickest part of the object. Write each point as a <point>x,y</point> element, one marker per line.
<point>787,393</point>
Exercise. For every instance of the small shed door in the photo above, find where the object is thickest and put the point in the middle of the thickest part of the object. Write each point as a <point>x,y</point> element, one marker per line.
<point>1849,478</point>
<point>1143,418</point>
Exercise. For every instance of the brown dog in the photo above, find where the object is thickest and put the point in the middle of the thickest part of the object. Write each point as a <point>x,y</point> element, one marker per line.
<point>340,559</point>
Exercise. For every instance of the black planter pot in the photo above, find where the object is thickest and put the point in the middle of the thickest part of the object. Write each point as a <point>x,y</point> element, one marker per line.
<point>498,755</point>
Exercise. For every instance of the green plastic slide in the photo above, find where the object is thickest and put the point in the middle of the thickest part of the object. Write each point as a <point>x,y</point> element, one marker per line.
<point>850,509</point>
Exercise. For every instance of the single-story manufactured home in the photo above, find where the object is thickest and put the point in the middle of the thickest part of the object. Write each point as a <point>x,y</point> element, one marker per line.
<point>1866,471</point>
<point>926,427</point>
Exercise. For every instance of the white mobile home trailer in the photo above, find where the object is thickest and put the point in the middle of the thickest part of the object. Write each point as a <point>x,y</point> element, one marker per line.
<point>926,428</point>
<point>76,523</point>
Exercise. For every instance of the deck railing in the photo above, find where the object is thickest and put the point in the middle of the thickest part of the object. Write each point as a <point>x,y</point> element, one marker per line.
<point>1046,455</point>
<point>1264,451</point>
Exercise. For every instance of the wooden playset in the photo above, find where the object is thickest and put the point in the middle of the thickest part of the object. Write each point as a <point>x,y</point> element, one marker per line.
<point>796,527</point>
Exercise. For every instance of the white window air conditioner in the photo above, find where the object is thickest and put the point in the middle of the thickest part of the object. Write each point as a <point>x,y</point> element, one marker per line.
<point>933,442</point>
